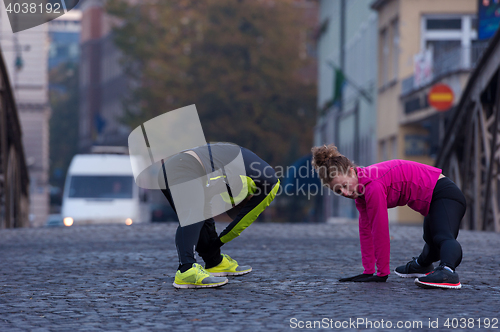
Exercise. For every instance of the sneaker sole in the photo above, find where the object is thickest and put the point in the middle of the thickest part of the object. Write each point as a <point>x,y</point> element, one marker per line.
<point>436,285</point>
<point>225,274</point>
<point>185,286</point>
<point>411,275</point>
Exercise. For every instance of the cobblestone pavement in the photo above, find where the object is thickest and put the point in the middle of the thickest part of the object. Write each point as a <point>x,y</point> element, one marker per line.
<point>119,278</point>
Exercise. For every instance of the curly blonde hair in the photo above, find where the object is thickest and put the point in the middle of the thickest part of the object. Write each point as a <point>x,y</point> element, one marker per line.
<point>329,162</point>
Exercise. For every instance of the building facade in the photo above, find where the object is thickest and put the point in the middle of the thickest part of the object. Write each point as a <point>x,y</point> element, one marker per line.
<point>64,35</point>
<point>103,83</point>
<point>26,55</point>
<point>347,120</point>
<point>420,43</point>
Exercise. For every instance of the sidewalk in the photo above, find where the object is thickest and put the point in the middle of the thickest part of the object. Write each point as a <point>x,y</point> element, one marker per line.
<point>119,278</point>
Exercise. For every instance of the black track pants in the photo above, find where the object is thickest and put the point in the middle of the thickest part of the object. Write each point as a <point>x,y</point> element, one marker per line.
<point>200,236</point>
<point>442,224</point>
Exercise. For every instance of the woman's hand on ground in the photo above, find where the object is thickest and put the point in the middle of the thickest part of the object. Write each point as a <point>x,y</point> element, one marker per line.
<point>374,278</point>
<point>364,278</point>
<point>359,276</point>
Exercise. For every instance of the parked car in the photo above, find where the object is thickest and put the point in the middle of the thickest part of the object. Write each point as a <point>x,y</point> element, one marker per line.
<point>54,220</point>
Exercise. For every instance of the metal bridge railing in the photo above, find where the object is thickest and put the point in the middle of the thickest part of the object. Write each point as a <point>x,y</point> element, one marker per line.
<point>14,178</point>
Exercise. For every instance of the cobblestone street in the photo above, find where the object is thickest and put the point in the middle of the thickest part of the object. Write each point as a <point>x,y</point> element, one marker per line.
<point>119,278</point>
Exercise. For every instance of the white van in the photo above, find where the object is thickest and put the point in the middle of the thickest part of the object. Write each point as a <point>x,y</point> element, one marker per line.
<point>100,188</point>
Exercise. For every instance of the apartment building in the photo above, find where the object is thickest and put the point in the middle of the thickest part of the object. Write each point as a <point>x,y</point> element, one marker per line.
<point>350,120</point>
<point>420,43</point>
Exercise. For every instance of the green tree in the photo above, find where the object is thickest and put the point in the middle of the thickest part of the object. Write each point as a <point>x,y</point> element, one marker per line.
<point>238,61</point>
<point>64,120</point>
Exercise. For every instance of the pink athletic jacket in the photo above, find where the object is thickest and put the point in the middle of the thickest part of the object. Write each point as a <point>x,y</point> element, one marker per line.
<point>386,185</point>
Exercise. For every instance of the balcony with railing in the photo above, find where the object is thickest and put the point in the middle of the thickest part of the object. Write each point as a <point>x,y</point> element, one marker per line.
<point>446,63</point>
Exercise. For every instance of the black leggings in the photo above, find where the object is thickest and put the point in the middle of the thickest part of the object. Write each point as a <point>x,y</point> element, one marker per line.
<point>441,225</point>
<point>202,236</point>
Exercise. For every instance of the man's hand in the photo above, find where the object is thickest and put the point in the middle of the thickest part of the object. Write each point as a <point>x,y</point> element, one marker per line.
<point>364,278</point>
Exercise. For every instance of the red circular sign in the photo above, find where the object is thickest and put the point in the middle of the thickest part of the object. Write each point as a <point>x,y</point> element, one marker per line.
<point>441,97</point>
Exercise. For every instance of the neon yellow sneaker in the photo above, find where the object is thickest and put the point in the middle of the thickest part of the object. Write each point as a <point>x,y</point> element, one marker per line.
<point>228,267</point>
<point>197,277</point>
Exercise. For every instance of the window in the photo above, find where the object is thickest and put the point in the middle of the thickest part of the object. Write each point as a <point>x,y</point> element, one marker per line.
<point>443,46</point>
<point>101,187</point>
<point>444,24</point>
<point>384,57</point>
<point>451,37</point>
<point>389,53</point>
<point>474,25</point>
<point>395,49</point>
<point>383,150</point>
<point>394,146</point>
<point>74,50</point>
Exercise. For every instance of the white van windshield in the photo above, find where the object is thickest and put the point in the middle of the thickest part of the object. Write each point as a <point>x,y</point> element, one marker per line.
<point>96,186</point>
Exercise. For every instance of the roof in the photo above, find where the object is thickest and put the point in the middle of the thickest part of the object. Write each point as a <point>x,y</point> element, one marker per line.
<point>100,164</point>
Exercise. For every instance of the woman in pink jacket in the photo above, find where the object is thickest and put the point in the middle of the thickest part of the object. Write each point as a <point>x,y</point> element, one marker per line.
<point>396,183</point>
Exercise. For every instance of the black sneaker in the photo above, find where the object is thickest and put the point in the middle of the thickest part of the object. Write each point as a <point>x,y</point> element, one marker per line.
<point>441,277</point>
<point>412,269</point>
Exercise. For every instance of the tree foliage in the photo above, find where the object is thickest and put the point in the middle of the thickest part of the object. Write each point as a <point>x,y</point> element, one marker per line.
<point>236,60</point>
<point>63,123</point>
